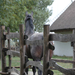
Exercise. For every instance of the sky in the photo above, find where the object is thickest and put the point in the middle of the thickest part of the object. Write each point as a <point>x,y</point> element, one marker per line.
<point>58,7</point>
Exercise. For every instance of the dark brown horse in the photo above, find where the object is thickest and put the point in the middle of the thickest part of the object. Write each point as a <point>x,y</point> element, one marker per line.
<point>34,51</point>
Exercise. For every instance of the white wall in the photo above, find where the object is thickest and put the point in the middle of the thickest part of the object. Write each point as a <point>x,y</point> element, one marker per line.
<point>63,48</point>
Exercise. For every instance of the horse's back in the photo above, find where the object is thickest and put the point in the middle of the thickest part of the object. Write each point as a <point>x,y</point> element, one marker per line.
<point>36,36</point>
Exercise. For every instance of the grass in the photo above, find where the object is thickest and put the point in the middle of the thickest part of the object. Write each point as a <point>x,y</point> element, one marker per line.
<point>67,65</point>
<point>16,62</point>
<point>62,57</point>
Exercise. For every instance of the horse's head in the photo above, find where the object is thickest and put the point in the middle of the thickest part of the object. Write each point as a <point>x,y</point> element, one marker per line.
<point>29,27</point>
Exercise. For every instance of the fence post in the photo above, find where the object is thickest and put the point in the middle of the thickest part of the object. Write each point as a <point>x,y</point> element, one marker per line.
<point>45,52</point>
<point>0,48</point>
<point>0,44</point>
<point>22,51</point>
<point>3,45</point>
<point>74,50</point>
<point>8,31</point>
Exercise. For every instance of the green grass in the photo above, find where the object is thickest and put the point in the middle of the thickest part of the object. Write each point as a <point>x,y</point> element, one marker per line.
<point>64,65</point>
<point>62,57</point>
<point>16,62</point>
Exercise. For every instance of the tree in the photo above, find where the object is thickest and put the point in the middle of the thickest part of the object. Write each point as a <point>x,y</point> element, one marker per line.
<point>41,13</point>
<point>12,12</point>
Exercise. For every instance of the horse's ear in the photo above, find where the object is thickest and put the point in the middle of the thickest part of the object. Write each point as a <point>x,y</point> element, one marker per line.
<point>32,13</point>
<point>26,13</point>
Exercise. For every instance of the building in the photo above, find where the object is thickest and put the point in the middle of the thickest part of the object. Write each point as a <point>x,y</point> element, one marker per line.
<point>65,24</point>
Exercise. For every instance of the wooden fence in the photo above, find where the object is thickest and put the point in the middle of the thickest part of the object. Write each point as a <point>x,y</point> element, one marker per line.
<point>46,63</point>
<point>6,51</point>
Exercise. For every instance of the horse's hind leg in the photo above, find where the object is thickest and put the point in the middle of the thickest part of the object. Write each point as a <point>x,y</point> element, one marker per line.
<point>39,72</point>
<point>26,60</point>
<point>34,70</point>
<point>26,70</point>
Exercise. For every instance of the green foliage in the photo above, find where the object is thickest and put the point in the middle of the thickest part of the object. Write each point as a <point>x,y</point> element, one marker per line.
<point>41,13</point>
<point>12,12</point>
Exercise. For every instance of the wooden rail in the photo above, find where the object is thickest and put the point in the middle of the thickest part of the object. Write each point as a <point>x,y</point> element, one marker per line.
<point>14,70</point>
<point>13,53</point>
<point>52,37</point>
<point>62,37</point>
<point>61,69</point>
<point>11,35</point>
<point>64,61</point>
<point>4,73</point>
<point>34,63</point>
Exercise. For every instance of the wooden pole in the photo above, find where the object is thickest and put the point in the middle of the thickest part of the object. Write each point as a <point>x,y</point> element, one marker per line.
<point>74,50</point>
<point>45,52</point>
<point>3,45</point>
<point>22,53</point>
<point>0,44</point>
<point>0,48</point>
<point>8,31</point>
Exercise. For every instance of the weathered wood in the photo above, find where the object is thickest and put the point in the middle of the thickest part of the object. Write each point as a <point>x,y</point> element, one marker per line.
<point>13,53</point>
<point>53,68</point>
<point>45,52</point>
<point>62,37</point>
<point>4,73</point>
<point>34,63</point>
<point>35,42</point>
<point>0,48</point>
<point>3,45</point>
<point>8,31</point>
<point>74,50</point>
<point>14,70</point>
<point>64,61</point>
<point>61,69</point>
<point>0,44</point>
<point>12,35</point>
<point>63,31</point>
<point>22,51</point>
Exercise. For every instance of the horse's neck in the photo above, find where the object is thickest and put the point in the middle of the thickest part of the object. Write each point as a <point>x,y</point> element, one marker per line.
<point>31,33</point>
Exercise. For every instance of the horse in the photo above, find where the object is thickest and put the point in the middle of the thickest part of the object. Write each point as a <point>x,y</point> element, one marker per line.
<point>34,52</point>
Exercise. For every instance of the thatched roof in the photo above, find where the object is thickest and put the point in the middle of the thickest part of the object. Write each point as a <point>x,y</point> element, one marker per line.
<point>66,20</point>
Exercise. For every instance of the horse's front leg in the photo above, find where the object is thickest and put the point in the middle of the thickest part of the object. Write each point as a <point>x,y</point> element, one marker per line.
<point>34,70</point>
<point>49,72</point>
